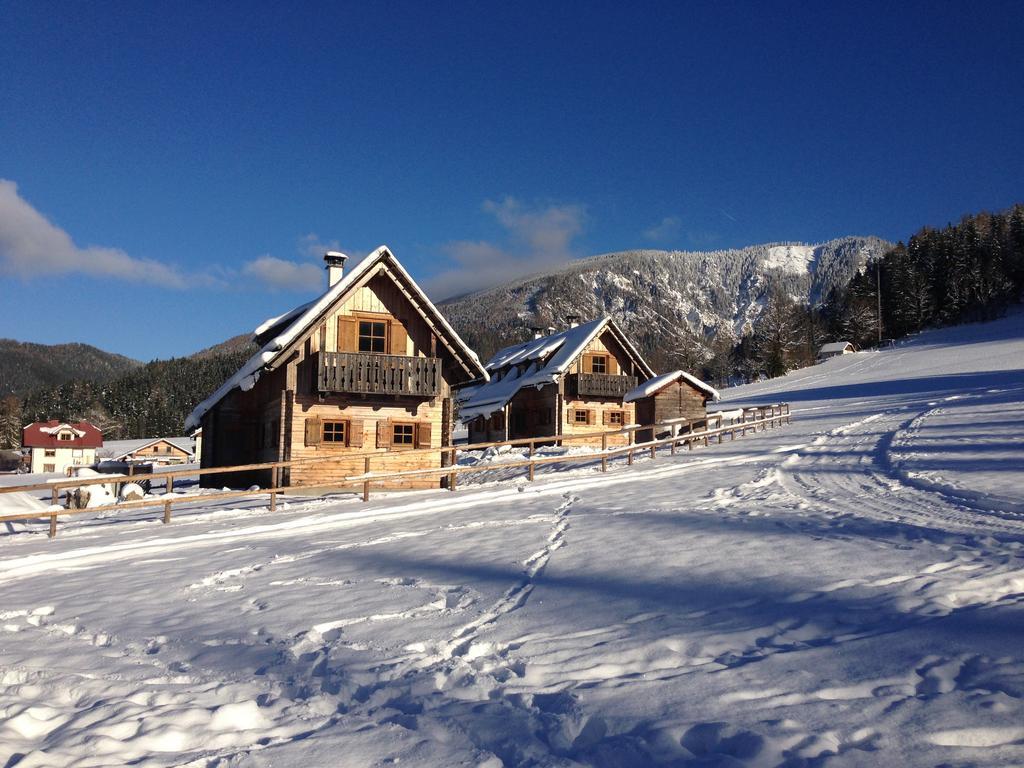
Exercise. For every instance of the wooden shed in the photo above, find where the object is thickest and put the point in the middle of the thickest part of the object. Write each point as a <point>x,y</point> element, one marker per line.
<point>673,395</point>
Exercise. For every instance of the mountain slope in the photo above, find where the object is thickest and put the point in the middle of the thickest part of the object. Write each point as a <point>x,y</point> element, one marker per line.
<point>655,294</point>
<point>25,366</point>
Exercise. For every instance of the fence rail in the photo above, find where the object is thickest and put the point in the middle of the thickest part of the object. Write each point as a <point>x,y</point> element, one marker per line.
<point>682,433</point>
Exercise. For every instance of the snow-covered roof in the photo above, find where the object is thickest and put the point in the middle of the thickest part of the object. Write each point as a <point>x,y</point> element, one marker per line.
<point>119,449</point>
<point>658,383</point>
<point>546,359</point>
<point>303,317</point>
<point>835,346</point>
<point>271,322</point>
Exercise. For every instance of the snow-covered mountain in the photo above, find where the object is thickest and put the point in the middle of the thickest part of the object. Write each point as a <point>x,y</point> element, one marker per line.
<point>656,293</point>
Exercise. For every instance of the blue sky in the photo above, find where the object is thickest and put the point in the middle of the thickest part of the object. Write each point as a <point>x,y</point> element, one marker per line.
<point>172,171</point>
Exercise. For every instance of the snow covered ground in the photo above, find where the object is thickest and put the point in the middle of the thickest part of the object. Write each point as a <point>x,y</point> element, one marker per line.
<point>845,591</point>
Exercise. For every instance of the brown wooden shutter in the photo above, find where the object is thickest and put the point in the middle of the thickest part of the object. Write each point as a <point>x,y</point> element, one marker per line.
<point>590,416</point>
<point>355,433</point>
<point>348,334</point>
<point>613,365</point>
<point>313,430</point>
<point>570,415</point>
<point>398,334</point>
<point>384,434</point>
<point>423,435</point>
<point>588,364</point>
<point>605,417</point>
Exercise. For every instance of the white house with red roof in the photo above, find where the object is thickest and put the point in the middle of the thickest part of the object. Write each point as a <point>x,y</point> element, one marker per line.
<point>58,446</point>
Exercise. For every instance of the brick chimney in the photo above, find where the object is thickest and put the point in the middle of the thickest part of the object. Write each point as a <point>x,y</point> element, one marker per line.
<point>335,261</point>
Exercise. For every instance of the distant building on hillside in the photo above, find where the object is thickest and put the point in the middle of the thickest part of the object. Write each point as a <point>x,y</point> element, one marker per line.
<point>159,450</point>
<point>835,349</point>
<point>567,383</point>
<point>59,446</point>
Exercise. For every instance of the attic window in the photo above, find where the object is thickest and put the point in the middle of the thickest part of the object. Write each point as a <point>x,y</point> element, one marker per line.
<point>373,336</point>
<point>65,436</point>
<point>599,364</point>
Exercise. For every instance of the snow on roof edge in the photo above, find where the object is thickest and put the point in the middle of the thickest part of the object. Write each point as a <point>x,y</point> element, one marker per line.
<point>653,385</point>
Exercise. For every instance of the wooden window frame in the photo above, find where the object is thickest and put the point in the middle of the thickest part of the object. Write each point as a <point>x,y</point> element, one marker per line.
<point>346,426</point>
<point>49,468</point>
<point>49,453</point>
<point>385,337</point>
<point>403,446</point>
<point>594,359</point>
<point>617,414</point>
<point>65,437</point>
<point>576,416</point>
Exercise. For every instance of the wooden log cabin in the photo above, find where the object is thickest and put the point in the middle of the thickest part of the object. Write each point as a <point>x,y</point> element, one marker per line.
<point>673,395</point>
<point>567,383</point>
<point>368,367</point>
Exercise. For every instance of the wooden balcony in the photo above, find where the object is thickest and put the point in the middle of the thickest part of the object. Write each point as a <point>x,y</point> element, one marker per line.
<point>365,373</point>
<point>601,384</point>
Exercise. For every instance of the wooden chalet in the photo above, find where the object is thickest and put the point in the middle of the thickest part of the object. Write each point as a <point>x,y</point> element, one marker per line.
<point>673,395</point>
<point>369,366</point>
<point>568,383</point>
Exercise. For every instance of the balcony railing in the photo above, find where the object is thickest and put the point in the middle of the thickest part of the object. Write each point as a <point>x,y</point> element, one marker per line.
<point>371,374</point>
<point>601,384</point>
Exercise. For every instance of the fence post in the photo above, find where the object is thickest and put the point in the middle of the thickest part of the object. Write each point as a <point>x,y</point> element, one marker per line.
<point>167,511</point>
<point>531,471</point>
<point>366,483</point>
<point>55,496</point>
<point>53,524</point>
<point>273,500</point>
<point>604,452</point>
<point>629,455</point>
<point>170,484</point>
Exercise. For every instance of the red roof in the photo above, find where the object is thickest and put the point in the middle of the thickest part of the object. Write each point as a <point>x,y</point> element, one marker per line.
<point>34,436</point>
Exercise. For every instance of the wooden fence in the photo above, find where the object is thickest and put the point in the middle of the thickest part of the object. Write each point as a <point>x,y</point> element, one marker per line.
<point>683,433</point>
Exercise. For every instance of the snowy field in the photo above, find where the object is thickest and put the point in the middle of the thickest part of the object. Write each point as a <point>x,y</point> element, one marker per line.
<point>845,591</point>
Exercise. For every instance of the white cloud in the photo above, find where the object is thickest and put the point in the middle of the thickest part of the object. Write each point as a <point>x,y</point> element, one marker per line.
<point>664,230</point>
<point>311,245</point>
<point>280,274</point>
<point>32,246</point>
<point>535,239</point>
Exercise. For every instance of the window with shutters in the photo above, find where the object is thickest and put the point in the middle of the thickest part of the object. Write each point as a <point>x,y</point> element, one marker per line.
<point>403,435</point>
<point>373,336</point>
<point>335,432</point>
<point>616,418</point>
<point>580,416</point>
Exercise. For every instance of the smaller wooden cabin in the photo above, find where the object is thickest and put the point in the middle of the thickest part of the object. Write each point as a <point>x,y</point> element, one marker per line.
<point>673,395</point>
<point>567,383</point>
<point>159,450</point>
